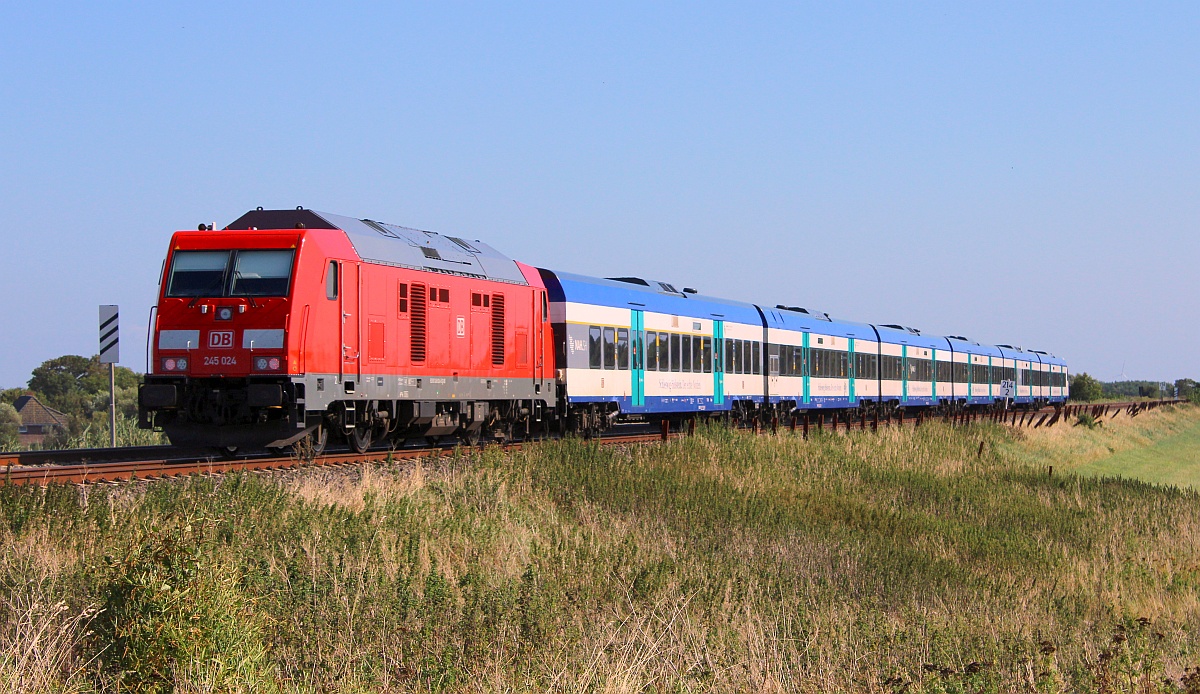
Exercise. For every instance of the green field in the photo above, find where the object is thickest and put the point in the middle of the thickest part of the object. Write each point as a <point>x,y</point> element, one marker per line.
<point>940,559</point>
<point>1174,459</point>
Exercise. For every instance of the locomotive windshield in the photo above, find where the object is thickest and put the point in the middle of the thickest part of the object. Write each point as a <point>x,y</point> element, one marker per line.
<point>230,273</point>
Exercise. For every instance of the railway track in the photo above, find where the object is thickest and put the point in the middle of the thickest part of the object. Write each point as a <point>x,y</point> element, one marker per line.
<point>98,465</point>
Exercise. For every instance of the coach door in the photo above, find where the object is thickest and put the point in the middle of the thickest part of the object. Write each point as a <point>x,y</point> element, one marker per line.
<point>637,338</point>
<point>351,323</point>
<point>718,362</point>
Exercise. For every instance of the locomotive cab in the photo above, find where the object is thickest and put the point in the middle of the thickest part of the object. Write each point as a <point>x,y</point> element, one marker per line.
<point>220,350</point>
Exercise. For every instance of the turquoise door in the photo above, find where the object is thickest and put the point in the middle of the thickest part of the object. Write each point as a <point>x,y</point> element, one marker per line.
<point>637,364</point>
<point>904,373</point>
<point>718,362</point>
<point>852,374</point>
<point>806,369</point>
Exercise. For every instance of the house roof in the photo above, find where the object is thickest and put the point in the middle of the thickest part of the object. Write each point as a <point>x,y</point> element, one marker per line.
<point>34,413</point>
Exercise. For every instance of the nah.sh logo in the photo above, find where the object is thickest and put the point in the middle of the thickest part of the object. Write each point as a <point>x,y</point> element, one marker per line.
<point>220,339</point>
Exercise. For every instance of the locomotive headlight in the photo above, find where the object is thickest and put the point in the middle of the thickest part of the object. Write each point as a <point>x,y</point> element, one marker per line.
<point>175,364</point>
<point>267,364</point>
<point>225,313</point>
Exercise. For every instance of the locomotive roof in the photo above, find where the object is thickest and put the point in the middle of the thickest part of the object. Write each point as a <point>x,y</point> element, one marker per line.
<point>388,244</point>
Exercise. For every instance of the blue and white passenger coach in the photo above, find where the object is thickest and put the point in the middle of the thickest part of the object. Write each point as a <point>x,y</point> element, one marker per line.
<point>629,348</point>
<point>633,346</point>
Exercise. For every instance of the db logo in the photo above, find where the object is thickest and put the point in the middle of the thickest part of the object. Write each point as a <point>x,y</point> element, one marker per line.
<point>220,339</point>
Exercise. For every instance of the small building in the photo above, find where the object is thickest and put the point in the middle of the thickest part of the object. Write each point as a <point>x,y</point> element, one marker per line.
<point>37,421</point>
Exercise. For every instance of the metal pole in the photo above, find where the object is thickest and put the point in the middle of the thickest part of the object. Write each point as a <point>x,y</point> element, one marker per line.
<point>112,405</point>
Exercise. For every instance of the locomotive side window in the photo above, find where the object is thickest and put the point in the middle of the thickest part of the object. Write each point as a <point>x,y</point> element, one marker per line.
<point>594,351</point>
<point>261,273</point>
<point>331,281</point>
<point>401,298</point>
<point>198,273</point>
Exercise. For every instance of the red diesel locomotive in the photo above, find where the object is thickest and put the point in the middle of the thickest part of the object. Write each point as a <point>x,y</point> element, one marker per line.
<point>290,324</point>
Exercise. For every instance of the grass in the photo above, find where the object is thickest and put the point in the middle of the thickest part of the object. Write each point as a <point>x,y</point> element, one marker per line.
<point>1173,460</point>
<point>903,561</point>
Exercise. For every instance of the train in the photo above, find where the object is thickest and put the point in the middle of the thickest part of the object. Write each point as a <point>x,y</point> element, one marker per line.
<point>295,327</point>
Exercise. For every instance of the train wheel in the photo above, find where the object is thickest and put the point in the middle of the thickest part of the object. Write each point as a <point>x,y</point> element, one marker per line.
<point>227,452</point>
<point>360,438</point>
<point>312,446</point>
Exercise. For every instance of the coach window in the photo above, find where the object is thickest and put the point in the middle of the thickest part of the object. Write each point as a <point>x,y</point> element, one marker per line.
<point>331,281</point>
<point>675,358</point>
<point>595,353</point>
<point>685,352</point>
<point>651,351</point>
<point>623,348</point>
<point>664,352</point>
<point>698,354</point>
<point>610,348</point>
<point>729,352</point>
<point>707,355</point>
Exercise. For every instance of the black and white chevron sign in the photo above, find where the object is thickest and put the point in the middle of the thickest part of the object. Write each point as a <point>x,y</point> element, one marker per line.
<point>110,350</point>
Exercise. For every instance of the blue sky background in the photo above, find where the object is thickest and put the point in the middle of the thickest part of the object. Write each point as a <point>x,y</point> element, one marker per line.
<point>1014,172</point>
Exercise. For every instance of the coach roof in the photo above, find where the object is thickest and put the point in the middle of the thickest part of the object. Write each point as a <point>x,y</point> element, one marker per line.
<point>388,244</point>
<point>565,286</point>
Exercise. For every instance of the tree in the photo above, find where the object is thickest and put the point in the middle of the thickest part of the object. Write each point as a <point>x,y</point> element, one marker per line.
<point>1184,387</point>
<point>78,387</point>
<point>10,424</point>
<point>1084,388</point>
<point>10,395</point>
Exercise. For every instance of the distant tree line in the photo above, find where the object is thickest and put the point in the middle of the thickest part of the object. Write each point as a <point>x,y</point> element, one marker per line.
<point>78,387</point>
<point>1084,388</point>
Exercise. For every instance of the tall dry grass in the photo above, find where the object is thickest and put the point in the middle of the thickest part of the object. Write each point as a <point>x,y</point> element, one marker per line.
<point>902,561</point>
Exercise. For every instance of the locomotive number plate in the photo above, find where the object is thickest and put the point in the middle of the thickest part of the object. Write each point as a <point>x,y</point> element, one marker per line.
<point>220,361</point>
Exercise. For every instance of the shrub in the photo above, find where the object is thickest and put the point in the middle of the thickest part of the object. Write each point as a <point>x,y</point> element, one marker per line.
<point>1084,388</point>
<point>172,611</point>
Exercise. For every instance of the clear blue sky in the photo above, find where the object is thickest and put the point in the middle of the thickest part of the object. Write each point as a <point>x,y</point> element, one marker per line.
<point>1014,172</point>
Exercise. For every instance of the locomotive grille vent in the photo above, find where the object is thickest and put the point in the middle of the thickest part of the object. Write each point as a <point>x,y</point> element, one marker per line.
<point>417,335</point>
<point>498,329</point>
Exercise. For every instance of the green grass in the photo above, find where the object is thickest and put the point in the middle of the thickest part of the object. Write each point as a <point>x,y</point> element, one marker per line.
<point>903,561</point>
<point>1174,460</point>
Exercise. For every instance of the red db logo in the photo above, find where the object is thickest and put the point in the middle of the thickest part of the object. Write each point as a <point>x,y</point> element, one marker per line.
<point>220,339</point>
